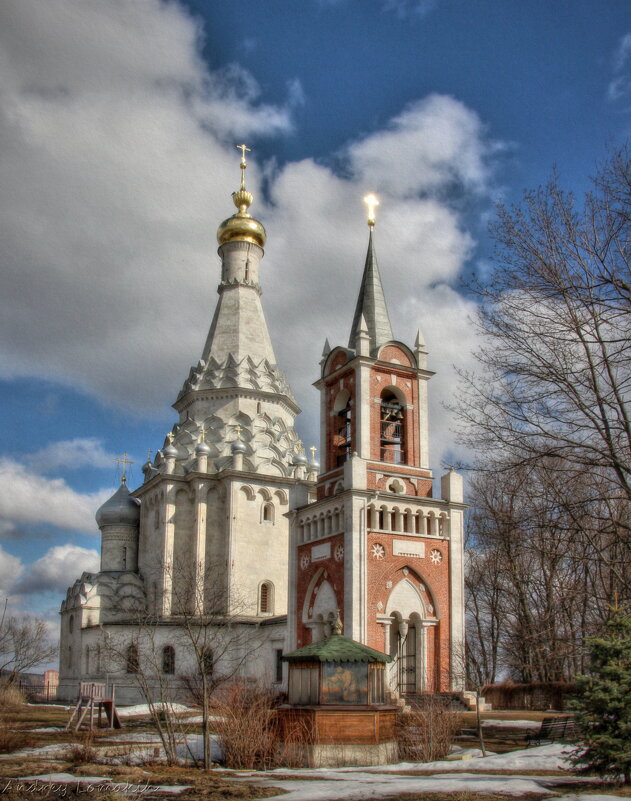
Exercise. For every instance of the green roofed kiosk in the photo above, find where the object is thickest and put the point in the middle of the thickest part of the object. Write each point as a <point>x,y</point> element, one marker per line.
<point>337,699</point>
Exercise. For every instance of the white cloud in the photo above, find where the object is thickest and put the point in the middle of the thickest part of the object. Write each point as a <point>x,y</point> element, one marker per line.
<point>71,453</point>
<point>620,85</point>
<point>407,8</point>
<point>623,52</point>
<point>57,569</point>
<point>28,498</point>
<point>11,569</point>
<point>433,144</point>
<point>117,166</point>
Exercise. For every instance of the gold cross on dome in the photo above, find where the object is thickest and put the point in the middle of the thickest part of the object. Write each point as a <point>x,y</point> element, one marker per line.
<point>202,434</point>
<point>299,447</point>
<point>238,429</point>
<point>372,202</point>
<point>244,164</point>
<point>170,437</point>
<point>244,149</point>
<point>124,461</point>
<point>313,450</point>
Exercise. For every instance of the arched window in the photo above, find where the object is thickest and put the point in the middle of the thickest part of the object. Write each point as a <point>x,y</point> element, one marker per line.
<point>267,515</point>
<point>132,663</point>
<point>208,662</point>
<point>342,434</point>
<point>266,598</point>
<point>392,429</point>
<point>168,659</point>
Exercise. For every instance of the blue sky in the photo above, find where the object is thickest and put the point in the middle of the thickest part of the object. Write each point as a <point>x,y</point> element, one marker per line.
<point>118,120</point>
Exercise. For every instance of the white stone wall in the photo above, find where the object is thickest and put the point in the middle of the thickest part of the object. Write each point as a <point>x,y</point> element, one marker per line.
<point>250,652</point>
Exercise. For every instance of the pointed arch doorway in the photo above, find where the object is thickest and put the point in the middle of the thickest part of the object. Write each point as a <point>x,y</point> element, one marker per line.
<point>405,638</point>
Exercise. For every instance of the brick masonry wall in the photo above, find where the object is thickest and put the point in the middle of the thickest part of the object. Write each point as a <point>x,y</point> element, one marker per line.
<point>334,570</point>
<point>435,579</point>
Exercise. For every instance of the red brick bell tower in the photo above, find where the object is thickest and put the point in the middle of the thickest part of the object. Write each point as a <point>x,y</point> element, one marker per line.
<point>376,544</point>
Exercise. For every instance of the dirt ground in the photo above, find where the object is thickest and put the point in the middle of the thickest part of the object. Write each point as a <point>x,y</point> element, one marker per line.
<point>78,754</point>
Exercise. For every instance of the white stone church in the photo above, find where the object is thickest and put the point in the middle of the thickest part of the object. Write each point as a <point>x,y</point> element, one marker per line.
<point>240,548</point>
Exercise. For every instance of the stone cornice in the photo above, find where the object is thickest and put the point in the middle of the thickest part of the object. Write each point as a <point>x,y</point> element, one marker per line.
<point>226,393</point>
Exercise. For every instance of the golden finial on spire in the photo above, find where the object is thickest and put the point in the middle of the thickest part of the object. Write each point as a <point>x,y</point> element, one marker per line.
<point>238,430</point>
<point>170,437</point>
<point>313,450</point>
<point>243,199</point>
<point>124,461</point>
<point>372,202</point>
<point>242,226</point>
<point>202,434</point>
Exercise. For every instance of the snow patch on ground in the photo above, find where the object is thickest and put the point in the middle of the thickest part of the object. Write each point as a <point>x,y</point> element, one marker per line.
<point>44,729</point>
<point>143,709</point>
<point>512,724</point>
<point>58,749</point>
<point>189,748</point>
<point>545,757</point>
<point>200,719</point>
<point>575,797</point>
<point>554,756</point>
<point>360,786</point>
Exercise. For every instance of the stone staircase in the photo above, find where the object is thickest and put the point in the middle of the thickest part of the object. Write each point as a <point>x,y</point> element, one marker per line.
<point>458,701</point>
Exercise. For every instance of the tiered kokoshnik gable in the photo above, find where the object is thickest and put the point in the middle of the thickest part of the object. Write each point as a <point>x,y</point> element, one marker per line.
<point>235,393</point>
<point>207,531</point>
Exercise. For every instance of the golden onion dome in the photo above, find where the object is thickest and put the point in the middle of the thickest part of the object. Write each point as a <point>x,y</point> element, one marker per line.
<point>242,226</point>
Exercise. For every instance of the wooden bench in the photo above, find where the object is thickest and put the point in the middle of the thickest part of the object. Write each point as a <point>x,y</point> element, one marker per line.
<point>555,730</point>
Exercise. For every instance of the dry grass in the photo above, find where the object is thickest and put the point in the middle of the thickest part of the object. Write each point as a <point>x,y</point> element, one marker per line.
<point>11,698</point>
<point>45,792</point>
<point>82,752</point>
<point>459,797</point>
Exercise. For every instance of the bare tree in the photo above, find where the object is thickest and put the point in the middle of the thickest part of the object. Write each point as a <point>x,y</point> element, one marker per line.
<point>200,639</point>
<point>217,629</point>
<point>555,364</point>
<point>549,411</point>
<point>24,644</point>
<point>139,653</point>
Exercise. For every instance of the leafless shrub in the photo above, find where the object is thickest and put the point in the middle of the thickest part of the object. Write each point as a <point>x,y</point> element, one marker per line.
<point>293,743</point>
<point>246,725</point>
<point>426,732</point>
<point>83,751</point>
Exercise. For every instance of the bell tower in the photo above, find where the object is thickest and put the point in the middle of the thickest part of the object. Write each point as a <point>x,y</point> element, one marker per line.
<point>376,544</point>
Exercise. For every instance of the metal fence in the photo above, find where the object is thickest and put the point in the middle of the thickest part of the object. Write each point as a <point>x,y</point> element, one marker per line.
<point>38,692</point>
